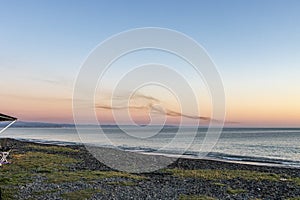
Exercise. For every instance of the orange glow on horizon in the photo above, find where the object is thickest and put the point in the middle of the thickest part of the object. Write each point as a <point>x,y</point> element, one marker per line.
<point>282,112</point>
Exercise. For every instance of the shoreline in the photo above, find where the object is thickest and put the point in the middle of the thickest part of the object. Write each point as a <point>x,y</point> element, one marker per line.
<point>214,156</point>
<point>43,171</point>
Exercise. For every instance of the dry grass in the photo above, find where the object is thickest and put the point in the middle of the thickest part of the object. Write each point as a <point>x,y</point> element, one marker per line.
<point>60,149</point>
<point>209,174</point>
<point>80,194</point>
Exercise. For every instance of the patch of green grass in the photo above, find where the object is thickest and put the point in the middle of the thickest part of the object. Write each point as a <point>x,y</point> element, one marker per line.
<point>54,167</point>
<point>235,191</point>
<point>87,175</point>
<point>220,184</point>
<point>42,192</point>
<point>7,193</point>
<point>12,179</point>
<point>83,194</point>
<point>122,183</point>
<point>296,180</point>
<point>26,166</point>
<point>294,198</point>
<point>209,174</point>
<point>39,161</point>
<point>60,149</point>
<point>194,197</point>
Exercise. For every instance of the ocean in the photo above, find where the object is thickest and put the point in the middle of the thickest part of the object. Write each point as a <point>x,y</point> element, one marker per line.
<point>261,146</point>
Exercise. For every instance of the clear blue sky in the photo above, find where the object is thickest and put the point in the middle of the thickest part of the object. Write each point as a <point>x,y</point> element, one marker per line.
<point>255,44</point>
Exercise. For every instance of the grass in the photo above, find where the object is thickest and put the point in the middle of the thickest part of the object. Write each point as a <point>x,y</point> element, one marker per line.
<point>83,194</point>
<point>7,193</point>
<point>195,197</point>
<point>296,180</point>
<point>122,183</point>
<point>59,149</point>
<point>41,192</point>
<point>294,198</point>
<point>55,168</point>
<point>38,162</point>
<point>24,166</point>
<point>209,174</point>
<point>215,175</point>
<point>87,175</point>
<point>231,190</point>
<point>220,184</point>
<point>235,191</point>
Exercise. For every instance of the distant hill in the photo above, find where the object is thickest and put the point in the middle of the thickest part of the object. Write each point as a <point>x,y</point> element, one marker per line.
<point>24,124</point>
<point>21,124</point>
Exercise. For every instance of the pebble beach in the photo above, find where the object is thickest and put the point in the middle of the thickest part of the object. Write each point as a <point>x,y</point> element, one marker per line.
<point>42,171</point>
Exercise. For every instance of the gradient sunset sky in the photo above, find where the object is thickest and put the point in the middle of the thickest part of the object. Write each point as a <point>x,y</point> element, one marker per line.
<point>254,44</point>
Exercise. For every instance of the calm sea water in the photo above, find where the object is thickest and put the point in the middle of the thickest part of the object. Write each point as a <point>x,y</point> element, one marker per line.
<point>253,145</point>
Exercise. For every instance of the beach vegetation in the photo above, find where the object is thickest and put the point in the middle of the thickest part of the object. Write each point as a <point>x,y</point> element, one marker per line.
<point>235,191</point>
<point>55,168</point>
<point>220,184</point>
<point>296,180</point>
<point>7,193</point>
<point>87,175</point>
<point>60,149</point>
<point>25,166</point>
<point>210,174</point>
<point>83,194</point>
<point>122,183</point>
<point>42,192</point>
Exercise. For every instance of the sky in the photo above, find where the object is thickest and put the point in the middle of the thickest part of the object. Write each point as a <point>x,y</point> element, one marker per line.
<point>255,46</point>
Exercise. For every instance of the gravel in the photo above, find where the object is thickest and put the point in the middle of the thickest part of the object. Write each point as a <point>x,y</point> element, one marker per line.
<point>162,185</point>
